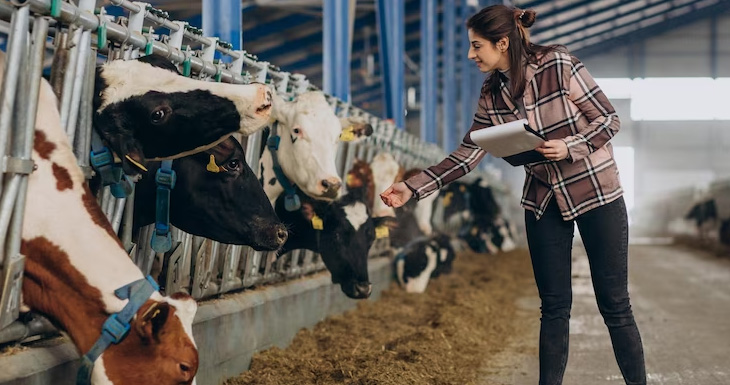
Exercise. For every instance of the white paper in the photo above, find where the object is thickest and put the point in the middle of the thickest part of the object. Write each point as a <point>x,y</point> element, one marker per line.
<point>506,139</point>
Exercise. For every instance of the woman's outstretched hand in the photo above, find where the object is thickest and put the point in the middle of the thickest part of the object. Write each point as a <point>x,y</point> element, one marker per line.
<point>396,195</point>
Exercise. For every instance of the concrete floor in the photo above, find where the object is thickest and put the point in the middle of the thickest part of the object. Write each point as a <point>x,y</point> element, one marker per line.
<point>681,301</point>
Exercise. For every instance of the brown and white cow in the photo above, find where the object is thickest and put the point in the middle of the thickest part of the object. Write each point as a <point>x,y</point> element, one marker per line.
<point>309,133</point>
<point>75,263</point>
<point>145,109</point>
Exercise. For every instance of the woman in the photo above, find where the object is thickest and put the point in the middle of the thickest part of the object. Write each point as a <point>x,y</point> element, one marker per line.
<point>579,182</point>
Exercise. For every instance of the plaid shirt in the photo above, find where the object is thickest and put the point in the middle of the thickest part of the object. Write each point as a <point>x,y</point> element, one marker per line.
<point>562,101</point>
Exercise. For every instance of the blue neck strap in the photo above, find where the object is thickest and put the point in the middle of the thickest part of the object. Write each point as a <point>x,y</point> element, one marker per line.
<point>117,325</point>
<point>165,178</point>
<point>111,174</point>
<point>291,199</point>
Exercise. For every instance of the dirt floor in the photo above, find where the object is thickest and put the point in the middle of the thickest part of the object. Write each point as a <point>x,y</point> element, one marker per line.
<point>445,336</point>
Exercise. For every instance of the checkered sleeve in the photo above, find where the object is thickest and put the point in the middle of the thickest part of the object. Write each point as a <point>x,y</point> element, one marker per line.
<point>593,103</point>
<point>457,164</point>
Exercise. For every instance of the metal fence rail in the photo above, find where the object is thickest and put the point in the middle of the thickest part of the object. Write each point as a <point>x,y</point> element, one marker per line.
<point>81,34</point>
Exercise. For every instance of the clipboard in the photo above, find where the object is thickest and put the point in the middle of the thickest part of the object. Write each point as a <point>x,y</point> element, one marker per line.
<point>515,142</point>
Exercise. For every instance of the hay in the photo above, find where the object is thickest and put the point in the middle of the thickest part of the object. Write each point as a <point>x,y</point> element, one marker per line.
<point>445,336</point>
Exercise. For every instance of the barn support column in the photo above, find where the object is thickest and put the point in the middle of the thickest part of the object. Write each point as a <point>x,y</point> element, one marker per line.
<point>337,43</point>
<point>467,103</point>
<point>450,128</point>
<point>429,70</point>
<point>223,19</point>
<point>391,27</point>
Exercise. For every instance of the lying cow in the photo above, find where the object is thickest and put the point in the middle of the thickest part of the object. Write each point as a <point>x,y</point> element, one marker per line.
<point>216,196</point>
<point>145,110</point>
<point>74,264</point>
<point>308,133</point>
<point>422,259</point>
<point>342,231</point>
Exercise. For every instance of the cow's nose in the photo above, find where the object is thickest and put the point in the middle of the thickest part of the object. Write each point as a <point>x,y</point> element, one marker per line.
<point>264,101</point>
<point>331,184</point>
<point>363,289</point>
<point>281,235</point>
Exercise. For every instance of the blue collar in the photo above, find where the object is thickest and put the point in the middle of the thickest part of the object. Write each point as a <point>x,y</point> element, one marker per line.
<point>165,178</point>
<point>102,161</point>
<point>291,199</point>
<point>117,325</point>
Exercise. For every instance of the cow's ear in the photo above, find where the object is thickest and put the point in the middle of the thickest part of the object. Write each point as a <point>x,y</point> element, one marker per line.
<point>389,222</point>
<point>151,319</point>
<point>159,62</point>
<point>355,128</point>
<point>307,211</point>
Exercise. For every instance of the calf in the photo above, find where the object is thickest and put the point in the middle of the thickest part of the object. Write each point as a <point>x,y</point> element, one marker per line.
<point>216,196</point>
<point>303,142</point>
<point>422,259</point>
<point>74,264</point>
<point>342,231</point>
<point>146,110</point>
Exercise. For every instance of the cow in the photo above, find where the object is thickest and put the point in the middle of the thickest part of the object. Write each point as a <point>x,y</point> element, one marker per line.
<point>342,231</point>
<point>216,196</point>
<point>487,231</point>
<point>360,182</point>
<point>75,263</point>
<point>303,140</point>
<point>704,214</point>
<point>145,110</point>
<point>422,259</point>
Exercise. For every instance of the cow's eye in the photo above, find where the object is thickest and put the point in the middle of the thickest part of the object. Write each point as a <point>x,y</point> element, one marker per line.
<point>297,131</point>
<point>233,164</point>
<point>160,115</point>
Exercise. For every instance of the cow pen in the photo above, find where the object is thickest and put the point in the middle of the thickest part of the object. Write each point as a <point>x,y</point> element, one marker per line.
<point>75,38</point>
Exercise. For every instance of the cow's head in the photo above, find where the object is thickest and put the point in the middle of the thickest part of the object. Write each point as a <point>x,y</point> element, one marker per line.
<point>158,349</point>
<point>482,201</point>
<point>455,201</point>
<point>146,110</point>
<point>310,133</point>
<point>386,170</point>
<point>360,182</point>
<point>216,196</point>
<point>344,240</point>
<point>420,260</point>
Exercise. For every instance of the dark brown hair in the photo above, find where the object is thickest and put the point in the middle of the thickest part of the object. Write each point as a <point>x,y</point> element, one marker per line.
<point>497,21</point>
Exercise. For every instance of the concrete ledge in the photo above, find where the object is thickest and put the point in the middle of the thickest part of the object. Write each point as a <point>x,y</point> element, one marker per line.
<point>228,330</point>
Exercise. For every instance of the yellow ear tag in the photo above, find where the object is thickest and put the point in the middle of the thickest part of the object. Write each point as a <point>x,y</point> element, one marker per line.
<point>349,180</point>
<point>134,162</point>
<point>462,188</point>
<point>212,167</point>
<point>348,134</point>
<point>447,198</point>
<point>381,232</point>
<point>317,223</point>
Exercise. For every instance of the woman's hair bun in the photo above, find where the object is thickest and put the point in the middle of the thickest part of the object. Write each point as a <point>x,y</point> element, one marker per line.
<point>526,17</point>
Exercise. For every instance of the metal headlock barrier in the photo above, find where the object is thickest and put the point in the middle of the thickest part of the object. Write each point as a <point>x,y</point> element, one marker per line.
<point>80,36</point>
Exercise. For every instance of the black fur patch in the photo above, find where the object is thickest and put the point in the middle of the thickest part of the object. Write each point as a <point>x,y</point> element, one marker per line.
<point>272,181</point>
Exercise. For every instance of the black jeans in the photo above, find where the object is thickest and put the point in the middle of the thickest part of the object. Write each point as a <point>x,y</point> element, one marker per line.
<point>605,235</point>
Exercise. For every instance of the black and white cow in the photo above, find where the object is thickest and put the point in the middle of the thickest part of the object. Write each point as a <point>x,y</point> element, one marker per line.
<point>216,196</point>
<point>145,110</point>
<point>309,133</point>
<point>342,231</point>
<point>422,259</point>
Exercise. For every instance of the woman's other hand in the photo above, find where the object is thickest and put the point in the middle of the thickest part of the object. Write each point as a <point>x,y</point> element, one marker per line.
<point>396,195</point>
<point>554,150</point>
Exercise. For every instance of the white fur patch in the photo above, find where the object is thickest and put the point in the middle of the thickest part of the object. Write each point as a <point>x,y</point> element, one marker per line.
<point>98,374</point>
<point>385,170</point>
<point>357,214</point>
<point>443,253</point>
<point>419,283</point>
<point>126,79</point>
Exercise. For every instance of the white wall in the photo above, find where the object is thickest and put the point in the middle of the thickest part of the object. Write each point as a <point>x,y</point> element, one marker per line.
<point>671,154</point>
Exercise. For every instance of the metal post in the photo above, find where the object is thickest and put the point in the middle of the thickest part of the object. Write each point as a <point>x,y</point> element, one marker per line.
<point>391,25</point>
<point>428,70</point>
<point>223,19</point>
<point>449,126</point>
<point>467,103</point>
<point>336,56</point>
